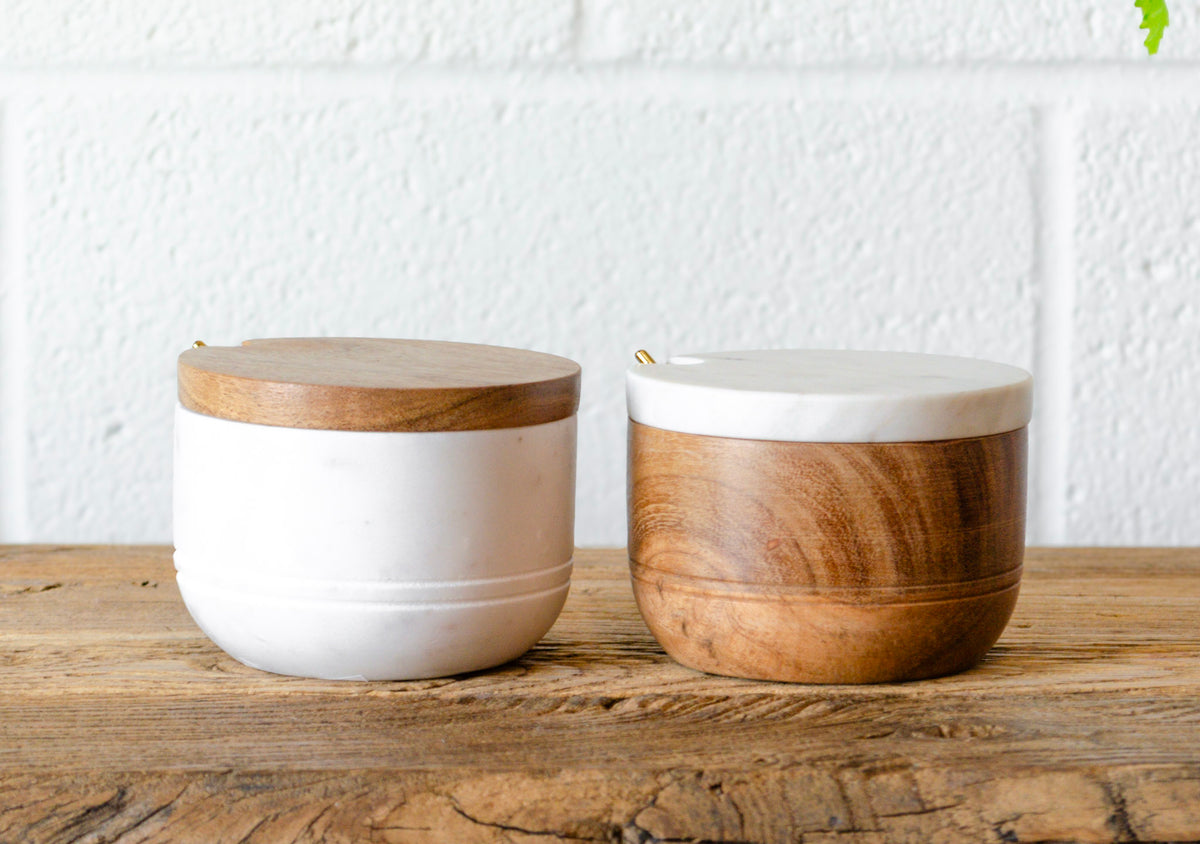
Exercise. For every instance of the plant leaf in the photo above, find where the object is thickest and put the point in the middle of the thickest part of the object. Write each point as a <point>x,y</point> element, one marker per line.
<point>1154,19</point>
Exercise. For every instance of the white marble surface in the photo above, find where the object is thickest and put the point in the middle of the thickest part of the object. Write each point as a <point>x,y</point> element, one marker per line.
<point>805,395</point>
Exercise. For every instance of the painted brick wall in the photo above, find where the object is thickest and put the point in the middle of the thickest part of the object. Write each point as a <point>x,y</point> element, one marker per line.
<point>1006,179</point>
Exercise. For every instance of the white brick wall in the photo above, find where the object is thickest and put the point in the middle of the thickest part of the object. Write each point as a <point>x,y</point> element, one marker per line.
<point>1012,180</point>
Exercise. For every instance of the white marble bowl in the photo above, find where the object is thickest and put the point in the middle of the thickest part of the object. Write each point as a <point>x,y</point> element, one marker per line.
<point>373,555</point>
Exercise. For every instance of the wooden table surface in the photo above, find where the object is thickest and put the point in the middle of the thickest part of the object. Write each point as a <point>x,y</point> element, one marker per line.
<point>120,721</point>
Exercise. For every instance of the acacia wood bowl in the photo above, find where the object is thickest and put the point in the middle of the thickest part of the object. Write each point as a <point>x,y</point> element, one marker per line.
<point>826,562</point>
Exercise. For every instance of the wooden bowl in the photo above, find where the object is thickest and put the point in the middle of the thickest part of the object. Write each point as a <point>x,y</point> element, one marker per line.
<point>826,562</point>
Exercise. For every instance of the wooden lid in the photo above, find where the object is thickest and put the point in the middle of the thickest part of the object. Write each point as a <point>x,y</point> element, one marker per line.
<point>355,384</point>
<point>809,395</point>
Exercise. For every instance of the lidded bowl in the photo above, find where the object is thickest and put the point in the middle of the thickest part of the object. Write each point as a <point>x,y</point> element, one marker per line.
<point>374,509</point>
<point>827,516</point>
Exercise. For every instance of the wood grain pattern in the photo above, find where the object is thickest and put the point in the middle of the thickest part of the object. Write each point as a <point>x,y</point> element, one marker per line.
<point>352,384</point>
<point>826,562</point>
<point>121,722</point>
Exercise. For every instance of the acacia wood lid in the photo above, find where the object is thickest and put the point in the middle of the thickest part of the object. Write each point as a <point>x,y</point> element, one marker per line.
<point>357,384</point>
<point>808,395</point>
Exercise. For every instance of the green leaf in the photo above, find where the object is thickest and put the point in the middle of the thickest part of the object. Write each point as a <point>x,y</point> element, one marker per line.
<point>1154,18</point>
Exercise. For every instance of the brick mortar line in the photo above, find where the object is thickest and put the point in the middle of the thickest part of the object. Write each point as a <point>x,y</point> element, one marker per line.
<point>14,503</point>
<point>1032,84</point>
<point>1055,197</point>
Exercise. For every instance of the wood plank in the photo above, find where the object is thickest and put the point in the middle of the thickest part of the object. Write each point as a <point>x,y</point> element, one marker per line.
<point>119,721</point>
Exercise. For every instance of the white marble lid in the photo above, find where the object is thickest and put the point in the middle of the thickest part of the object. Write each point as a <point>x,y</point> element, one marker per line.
<point>809,395</point>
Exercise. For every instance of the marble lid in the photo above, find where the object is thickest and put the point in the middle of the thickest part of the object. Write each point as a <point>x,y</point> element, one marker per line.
<point>808,395</point>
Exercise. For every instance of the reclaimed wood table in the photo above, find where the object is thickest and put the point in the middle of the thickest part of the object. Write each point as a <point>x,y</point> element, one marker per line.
<point>121,722</point>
